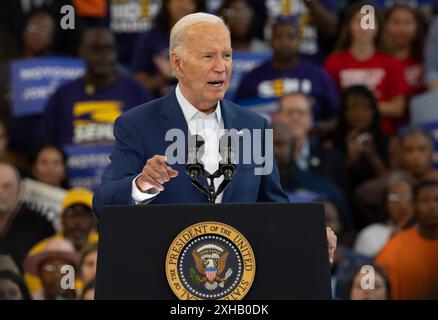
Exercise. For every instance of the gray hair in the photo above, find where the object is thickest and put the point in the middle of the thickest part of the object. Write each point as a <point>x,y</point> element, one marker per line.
<point>178,33</point>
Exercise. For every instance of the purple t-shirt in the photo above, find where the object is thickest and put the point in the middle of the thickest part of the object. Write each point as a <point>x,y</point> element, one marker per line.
<point>150,44</point>
<point>265,82</point>
<point>75,116</point>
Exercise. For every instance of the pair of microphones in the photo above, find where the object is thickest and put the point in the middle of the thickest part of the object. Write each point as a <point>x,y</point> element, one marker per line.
<point>195,167</point>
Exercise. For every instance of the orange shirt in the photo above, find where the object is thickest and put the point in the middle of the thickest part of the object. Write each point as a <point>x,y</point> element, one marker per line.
<point>411,262</point>
<point>90,8</point>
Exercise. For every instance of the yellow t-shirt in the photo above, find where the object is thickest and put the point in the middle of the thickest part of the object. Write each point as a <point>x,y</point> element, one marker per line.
<point>411,262</point>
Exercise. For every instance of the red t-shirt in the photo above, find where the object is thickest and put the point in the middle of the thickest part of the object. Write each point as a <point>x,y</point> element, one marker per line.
<point>413,72</point>
<point>383,74</point>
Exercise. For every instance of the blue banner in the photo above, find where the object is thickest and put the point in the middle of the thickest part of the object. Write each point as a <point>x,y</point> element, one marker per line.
<point>243,62</point>
<point>432,128</point>
<point>86,164</point>
<point>388,3</point>
<point>265,107</point>
<point>33,81</point>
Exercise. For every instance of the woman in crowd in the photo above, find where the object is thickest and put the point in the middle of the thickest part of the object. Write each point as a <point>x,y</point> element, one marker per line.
<point>48,165</point>
<point>404,40</point>
<point>38,34</point>
<point>359,287</point>
<point>359,61</point>
<point>88,263</point>
<point>359,137</point>
<point>38,40</point>
<point>398,214</point>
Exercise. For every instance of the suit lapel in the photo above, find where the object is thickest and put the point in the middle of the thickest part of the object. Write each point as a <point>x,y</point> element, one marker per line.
<point>172,116</point>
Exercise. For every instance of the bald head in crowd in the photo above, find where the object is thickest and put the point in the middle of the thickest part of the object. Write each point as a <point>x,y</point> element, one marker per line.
<point>9,190</point>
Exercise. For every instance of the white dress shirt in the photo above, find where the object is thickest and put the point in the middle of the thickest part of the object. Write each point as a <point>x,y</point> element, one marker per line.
<point>210,127</point>
<point>302,160</point>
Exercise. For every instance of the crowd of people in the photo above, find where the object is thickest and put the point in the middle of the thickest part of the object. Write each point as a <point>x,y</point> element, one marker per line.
<point>347,99</point>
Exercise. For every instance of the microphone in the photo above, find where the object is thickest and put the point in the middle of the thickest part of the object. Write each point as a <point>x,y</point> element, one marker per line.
<point>227,151</point>
<point>194,165</point>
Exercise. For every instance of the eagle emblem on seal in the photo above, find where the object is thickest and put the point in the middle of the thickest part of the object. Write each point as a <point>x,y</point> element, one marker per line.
<point>210,261</point>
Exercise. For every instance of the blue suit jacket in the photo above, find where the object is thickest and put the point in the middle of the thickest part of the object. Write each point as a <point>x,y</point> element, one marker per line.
<point>140,134</point>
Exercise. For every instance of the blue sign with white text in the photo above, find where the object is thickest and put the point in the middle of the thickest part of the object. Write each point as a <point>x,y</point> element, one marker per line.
<point>33,81</point>
<point>388,3</point>
<point>432,128</point>
<point>86,164</point>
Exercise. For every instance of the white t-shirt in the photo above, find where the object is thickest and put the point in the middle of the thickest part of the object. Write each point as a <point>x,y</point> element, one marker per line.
<point>373,238</point>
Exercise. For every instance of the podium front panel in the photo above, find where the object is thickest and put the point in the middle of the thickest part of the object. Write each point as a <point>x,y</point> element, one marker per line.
<point>288,240</point>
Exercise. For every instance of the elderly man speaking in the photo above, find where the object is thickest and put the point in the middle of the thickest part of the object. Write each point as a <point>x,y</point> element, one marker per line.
<point>201,58</point>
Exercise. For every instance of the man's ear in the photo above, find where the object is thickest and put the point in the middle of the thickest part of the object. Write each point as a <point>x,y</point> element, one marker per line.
<point>176,62</point>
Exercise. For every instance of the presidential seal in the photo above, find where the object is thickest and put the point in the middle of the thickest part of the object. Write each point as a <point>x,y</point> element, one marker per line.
<point>210,261</point>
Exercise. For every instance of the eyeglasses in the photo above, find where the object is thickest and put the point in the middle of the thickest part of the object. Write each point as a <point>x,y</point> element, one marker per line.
<point>32,28</point>
<point>51,268</point>
<point>397,197</point>
<point>297,112</point>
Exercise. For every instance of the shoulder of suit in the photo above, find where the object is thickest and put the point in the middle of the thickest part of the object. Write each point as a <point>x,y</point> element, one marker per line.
<point>149,109</point>
<point>152,108</point>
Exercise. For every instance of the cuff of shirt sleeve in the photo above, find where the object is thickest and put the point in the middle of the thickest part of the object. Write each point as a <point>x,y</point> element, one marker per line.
<point>139,196</point>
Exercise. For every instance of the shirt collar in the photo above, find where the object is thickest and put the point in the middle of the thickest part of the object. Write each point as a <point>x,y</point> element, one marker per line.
<point>306,149</point>
<point>190,112</point>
